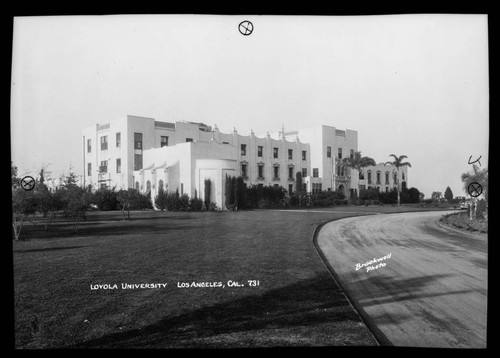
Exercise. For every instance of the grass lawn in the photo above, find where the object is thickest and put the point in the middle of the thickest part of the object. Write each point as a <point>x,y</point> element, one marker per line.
<point>296,304</point>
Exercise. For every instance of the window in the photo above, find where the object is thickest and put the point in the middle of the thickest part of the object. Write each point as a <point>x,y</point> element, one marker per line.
<point>275,152</point>
<point>244,170</point>
<point>304,172</point>
<point>104,166</point>
<point>361,175</point>
<point>403,176</point>
<point>137,161</point>
<point>276,172</point>
<point>387,178</point>
<point>304,155</point>
<point>340,153</point>
<point>369,177</point>
<point>118,139</point>
<point>338,169</point>
<point>378,177</point>
<point>163,141</point>
<point>290,154</point>
<point>290,189</point>
<point>315,172</point>
<point>104,142</point>
<point>290,173</point>
<point>261,171</point>
<point>328,152</point>
<point>362,187</point>
<point>189,140</point>
<point>103,185</point>
<point>148,187</point>
<point>138,141</point>
<point>395,178</point>
<point>118,165</point>
<point>137,185</point>
<point>243,149</point>
<point>259,151</point>
<point>342,170</point>
<point>351,155</point>
<point>182,188</point>
<point>89,146</point>
<point>89,169</point>
<point>160,185</point>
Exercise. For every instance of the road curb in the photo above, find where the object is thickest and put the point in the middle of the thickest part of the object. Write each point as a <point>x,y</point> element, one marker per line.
<point>379,337</point>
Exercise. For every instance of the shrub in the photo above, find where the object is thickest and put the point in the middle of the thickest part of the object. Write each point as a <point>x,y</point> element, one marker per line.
<point>106,199</point>
<point>368,194</point>
<point>196,204</point>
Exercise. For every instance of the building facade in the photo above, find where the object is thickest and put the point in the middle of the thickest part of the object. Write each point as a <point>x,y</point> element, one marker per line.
<point>142,153</point>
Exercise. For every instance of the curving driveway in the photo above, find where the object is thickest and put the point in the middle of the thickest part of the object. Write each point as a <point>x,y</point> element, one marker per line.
<point>432,291</point>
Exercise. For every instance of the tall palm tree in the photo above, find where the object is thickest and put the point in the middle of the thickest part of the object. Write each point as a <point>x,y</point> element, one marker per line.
<point>358,162</point>
<point>398,163</point>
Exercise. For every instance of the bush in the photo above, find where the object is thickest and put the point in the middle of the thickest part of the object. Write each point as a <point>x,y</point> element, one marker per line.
<point>105,199</point>
<point>196,204</point>
<point>369,194</point>
<point>390,197</point>
<point>263,196</point>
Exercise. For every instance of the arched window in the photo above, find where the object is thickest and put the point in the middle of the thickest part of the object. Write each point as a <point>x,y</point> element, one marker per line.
<point>136,185</point>
<point>403,176</point>
<point>160,185</point>
<point>369,176</point>
<point>378,176</point>
<point>395,178</point>
<point>387,178</point>
<point>148,187</point>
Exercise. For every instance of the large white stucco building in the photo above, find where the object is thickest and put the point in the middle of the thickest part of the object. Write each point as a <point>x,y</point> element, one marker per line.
<point>142,153</point>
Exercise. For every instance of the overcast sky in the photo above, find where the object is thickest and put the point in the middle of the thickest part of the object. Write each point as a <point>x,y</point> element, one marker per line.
<point>409,84</point>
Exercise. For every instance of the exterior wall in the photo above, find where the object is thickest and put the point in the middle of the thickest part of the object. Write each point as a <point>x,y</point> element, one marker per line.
<point>383,185</point>
<point>176,164</point>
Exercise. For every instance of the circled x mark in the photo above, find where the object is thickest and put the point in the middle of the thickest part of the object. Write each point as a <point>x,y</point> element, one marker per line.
<point>28,183</point>
<point>475,189</point>
<point>245,27</point>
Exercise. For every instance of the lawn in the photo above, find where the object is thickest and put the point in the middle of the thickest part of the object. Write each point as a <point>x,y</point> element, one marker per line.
<point>296,303</point>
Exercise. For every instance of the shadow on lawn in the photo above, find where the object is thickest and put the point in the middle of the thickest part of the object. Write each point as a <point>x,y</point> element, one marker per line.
<point>308,303</point>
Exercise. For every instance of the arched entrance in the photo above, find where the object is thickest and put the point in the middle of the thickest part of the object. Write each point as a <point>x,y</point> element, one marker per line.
<point>341,189</point>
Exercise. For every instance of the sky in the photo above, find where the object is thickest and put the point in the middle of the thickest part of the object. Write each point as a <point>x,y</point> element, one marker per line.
<point>409,84</point>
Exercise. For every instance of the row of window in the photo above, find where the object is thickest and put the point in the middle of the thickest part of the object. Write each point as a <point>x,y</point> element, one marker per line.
<point>361,176</point>
<point>260,152</point>
<point>137,141</point>
<point>339,153</point>
<point>260,167</point>
<point>103,168</point>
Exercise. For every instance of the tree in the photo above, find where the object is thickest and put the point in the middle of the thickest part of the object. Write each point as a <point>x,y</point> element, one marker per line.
<point>477,175</point>
<point>23,205</point>
<point>13,175</point>
<point>48,203</point>
<point>398,163</point>
<point>448,194</point>
<point>358,162</point>
<point>208,187</point>
<point>436,195</point>
<point>76,203</point>
<point>414,195</point>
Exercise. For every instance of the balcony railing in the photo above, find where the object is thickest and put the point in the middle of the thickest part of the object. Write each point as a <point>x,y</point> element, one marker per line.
<point>291,179</point>
<point>260,178</point>
<point>276,179</point>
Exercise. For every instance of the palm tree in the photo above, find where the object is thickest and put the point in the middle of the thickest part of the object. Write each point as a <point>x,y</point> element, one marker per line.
<point>358,162</point>
<point>398,163</point>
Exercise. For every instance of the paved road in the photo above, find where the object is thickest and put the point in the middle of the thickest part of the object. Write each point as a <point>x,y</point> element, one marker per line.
<point>432,290</point>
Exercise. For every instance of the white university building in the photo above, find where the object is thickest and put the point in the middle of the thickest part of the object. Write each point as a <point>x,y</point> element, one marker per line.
<point>145,154</point>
